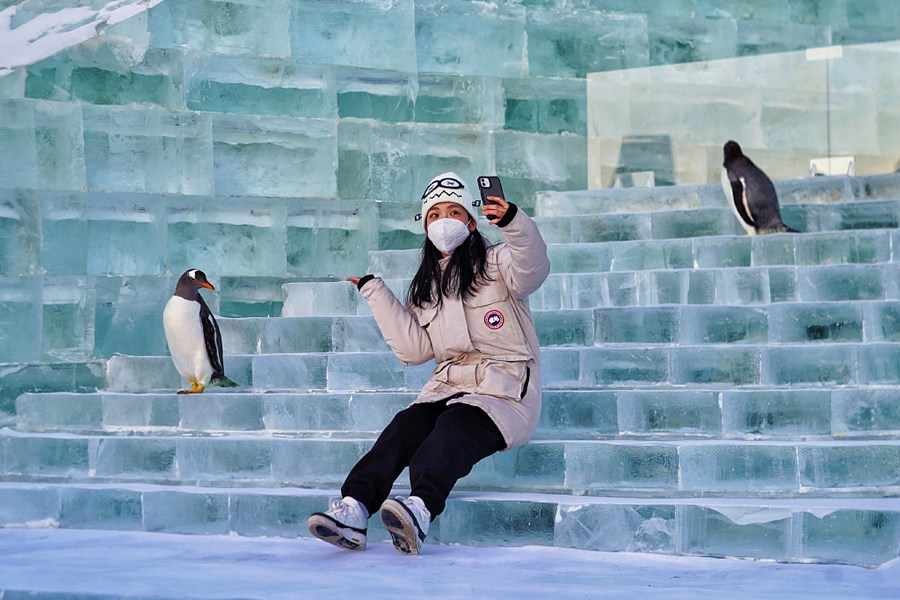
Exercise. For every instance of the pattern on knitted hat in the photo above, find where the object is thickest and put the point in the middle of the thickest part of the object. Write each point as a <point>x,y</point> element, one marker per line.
<point>447,187</point>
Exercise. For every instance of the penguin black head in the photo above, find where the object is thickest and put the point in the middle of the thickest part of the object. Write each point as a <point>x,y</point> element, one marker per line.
<point>732,150</point>
<point>191,281</point>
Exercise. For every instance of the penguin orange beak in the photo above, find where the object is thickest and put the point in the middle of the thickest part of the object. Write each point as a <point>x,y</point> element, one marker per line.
<point>206,284</point>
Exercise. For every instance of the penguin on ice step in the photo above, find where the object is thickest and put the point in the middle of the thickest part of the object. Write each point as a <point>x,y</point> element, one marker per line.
<point>193,336</point>
<point>750,193</point>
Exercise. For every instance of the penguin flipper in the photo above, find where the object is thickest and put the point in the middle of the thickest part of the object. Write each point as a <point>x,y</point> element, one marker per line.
<point>212,337</point>
<point>734,191</point>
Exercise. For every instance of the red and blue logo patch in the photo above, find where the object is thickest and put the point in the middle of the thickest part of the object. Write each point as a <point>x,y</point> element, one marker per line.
<point>494,319</point>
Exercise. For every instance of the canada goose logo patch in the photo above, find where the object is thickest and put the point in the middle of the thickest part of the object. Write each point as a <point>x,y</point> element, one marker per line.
<point>494,319</point>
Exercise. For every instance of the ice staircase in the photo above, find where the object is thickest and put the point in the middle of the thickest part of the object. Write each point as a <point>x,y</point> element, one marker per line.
<point>705,393</point>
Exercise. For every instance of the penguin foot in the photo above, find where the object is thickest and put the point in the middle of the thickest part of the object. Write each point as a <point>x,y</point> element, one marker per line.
<point>196,388</point>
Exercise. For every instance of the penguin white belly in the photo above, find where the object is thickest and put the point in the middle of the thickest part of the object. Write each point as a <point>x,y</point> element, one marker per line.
<point>184,335</point>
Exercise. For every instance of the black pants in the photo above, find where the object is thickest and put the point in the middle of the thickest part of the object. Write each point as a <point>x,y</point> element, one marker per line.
<point>439,443</point>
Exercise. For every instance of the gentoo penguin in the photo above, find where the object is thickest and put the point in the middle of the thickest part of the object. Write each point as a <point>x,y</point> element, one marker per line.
<point>751,193</point>
<point>193,335</point>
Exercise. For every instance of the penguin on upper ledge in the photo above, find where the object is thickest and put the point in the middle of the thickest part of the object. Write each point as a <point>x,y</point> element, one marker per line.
<point>750,193</point>
<point>193,335</point>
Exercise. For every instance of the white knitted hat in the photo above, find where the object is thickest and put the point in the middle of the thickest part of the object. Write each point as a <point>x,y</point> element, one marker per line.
<point>447,187</point>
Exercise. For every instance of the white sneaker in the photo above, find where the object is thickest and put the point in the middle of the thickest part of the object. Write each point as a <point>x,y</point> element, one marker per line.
<point>407,520</point>
<point>344,525</point>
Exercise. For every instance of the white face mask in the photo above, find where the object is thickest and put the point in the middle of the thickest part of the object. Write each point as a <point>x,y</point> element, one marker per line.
<point>447,234</point>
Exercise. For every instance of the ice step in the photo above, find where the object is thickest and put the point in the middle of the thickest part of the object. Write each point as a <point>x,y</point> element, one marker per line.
<point>826,248</point>
<point>657,468</point>
<point>870,321</point>
<point>818,190</point>
<point>801,530</point>
<point>616,227</point>
<point>723,286</point>
<point>846,364</point>
<point>767,413</point>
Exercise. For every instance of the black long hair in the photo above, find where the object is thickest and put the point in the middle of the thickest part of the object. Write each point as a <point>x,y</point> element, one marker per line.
<point>465,272</point>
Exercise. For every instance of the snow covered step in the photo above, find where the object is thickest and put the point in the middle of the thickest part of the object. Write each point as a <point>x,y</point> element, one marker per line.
<point>687,468</point>
<point>796,530</point>
<point>764,413</point>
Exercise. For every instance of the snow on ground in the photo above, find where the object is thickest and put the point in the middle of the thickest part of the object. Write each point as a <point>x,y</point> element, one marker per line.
<point>130,564</point>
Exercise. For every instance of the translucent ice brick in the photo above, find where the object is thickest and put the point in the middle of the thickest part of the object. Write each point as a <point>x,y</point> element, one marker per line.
<point>128,316</point>
<point>274,156</point>
<point>828,364</point>
<point>456,99</point>
<point>709,532</point>
<point>357,334</point>
<point>365,371</point>
<point>724,325</point>
<point>777,412</point>
<point>272,514</point>
<point>22,323</point>
<point>68,318</point>
<point>326,298</point>
<point>488,522</point>
<point>865,537</point>
<point>362,33</point>
<point>681,412</point>
<point>849,466</point>
<point>64,233</point>
<point>578,413</point>
<point>565,328</point>
<point>841,282</point>
<point>330,238</point>
<point>653,325</point>
<point>795,322</point>
<point>546,105</point>
<point>567,45</point>
<point>289,371</point>
<point>190,513</point>
<point>211,411</point>
<point>157,80</point>
<point>42,145</point>
<point>617,527</point>
<point>20,232</point>
<point>866,410</point>
<point>101,508</point>
<point>135,458</point>
<point>296,334</point>
<point>387,96</point>
<point>447,41</point>
<point>234,236</point>
<point>228,27</point>
<point>36,412</point>
<point>148,150</point>
<point>261,87</point>
<point>736,365</point>
<point>598,467</point>
<point>738,467</point>
<point>617,366</point>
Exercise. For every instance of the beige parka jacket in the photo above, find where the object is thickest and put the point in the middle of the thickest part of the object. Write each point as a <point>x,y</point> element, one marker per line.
<point>485,347</point>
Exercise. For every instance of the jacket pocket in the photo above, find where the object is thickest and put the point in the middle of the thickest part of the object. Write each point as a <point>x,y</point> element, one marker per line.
<point>503,379</point>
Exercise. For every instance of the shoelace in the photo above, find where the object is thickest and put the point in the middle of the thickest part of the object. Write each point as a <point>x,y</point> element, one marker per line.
<point>340,508</point>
